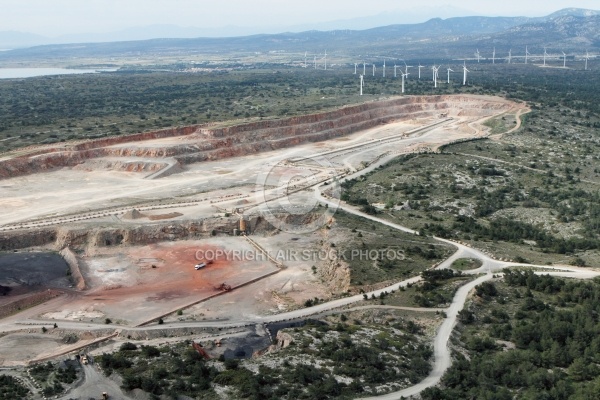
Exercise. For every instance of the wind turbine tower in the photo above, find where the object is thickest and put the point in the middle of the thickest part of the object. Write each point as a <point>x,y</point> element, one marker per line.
<point>587,57</point>
<point>509,55</point>
<point>325,58</point>
<point>373,69</point>
<point>465,70</point>
<point>395,73</point>
<point>384,67</point>
<point>564,60</point>
<point>315,62</point>
<point>420,66</point>
<point>364,68</point>
<point>545,55</point>
<point>435,75</point>
<point>305,54</point>
<point>449,70</point>
<point>478,55</point>
<point>362,81</point>
<point>403,76</point>
<point>355,67</point>
<point>494,56</point>
<point>526,54</point>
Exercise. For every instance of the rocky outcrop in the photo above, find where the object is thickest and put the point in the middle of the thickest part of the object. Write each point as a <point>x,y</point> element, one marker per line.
<point>210,142</point>
<point>335,274</point>
<point>283,340</point>
<point>74,238</point>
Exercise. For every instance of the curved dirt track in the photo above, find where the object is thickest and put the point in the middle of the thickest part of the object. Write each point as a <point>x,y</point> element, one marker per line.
<point>442,354</point>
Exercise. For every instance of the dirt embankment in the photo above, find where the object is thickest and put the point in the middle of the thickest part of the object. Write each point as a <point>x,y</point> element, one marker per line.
<point>71,259</point>
<point>27,302</point>
<point>205,142</point>
<point>22,239</point>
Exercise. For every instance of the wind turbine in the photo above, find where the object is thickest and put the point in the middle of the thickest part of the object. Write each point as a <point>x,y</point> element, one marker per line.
<point>564,60</point>
<point>494,56</point>
<point>587,57</point>
<point>435,74</point>
<point>355,67</point>
<point>373,69</point>
<point>406,67</point>
<point>465,70</point>
<point>545,55</point>
<point>325,58</point>
<point>384,67</point>
<point>420,66</point>
<point>509,55</point>
<point>362,81</point>
<point>395,68</point>
<point>478,55</point>
<point>403,76</point>
<point>526,54</point>
<point>364,68</point>
<point>449,70</point>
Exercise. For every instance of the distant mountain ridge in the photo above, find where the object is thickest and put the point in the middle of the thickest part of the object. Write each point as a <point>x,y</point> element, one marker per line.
<point>562,32</point>
<point>573,12</point>
<point>9,38</point>
<point>13,40</point>
<point>569,29</point>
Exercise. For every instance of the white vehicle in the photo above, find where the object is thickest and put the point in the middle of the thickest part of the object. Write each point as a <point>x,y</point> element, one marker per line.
<point>199,266</point>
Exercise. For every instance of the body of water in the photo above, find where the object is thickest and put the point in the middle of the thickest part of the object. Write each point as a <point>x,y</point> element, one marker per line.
<point>11,73</point>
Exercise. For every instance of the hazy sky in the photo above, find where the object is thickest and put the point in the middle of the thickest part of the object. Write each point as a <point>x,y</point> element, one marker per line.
<point>57,17</point>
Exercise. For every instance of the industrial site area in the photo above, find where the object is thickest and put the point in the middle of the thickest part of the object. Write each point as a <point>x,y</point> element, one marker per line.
<point>218,234</point>
<point>299,201</point>
<point>202,221</point>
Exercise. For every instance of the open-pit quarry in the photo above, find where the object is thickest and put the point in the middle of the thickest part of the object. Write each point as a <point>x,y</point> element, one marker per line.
<point>132,216</point>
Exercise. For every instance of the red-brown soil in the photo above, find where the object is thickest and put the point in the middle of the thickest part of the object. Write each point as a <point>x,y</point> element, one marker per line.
<point>139,291</point>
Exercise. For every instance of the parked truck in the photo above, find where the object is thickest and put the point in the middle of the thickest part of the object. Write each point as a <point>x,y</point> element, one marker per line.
<point>202,264</point>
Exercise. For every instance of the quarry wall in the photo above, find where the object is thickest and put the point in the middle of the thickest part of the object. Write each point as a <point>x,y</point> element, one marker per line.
<point>210,142</point>
<point>83,238</point>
